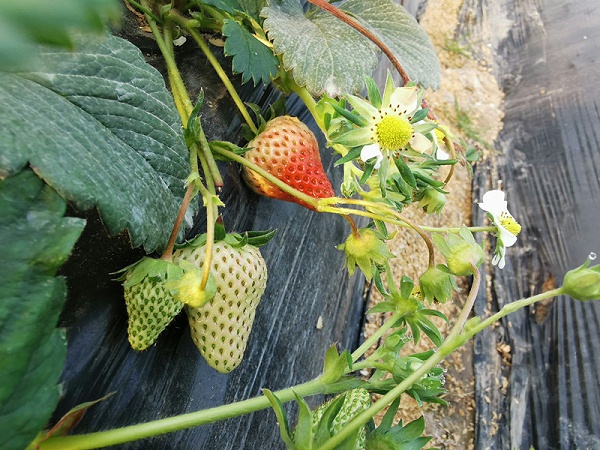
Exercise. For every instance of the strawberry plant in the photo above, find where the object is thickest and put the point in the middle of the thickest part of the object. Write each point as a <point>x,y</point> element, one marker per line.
<point>86,123</point>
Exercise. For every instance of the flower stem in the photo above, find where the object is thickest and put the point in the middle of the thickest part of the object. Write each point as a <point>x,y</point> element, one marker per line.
<point>374,338</point>
<point>187,198</point>
<point>456,339</point>
<point>157,427</point>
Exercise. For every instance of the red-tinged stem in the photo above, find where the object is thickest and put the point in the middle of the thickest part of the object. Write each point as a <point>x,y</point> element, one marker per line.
<point>187,198</point>
<point>362,30</point>
<point>352,225</point>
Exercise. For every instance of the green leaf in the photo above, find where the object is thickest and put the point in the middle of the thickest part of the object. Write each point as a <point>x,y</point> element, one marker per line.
<point>228,6</point>
<point>401,33</point>
<point>26,23</point>
<point>253,7</point>
<point>100,127</point>
<point>324,54</point>
<point>36,240</point>
<point>251,58</point>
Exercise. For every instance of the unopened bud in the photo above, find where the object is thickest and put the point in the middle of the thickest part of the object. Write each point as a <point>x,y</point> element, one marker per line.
<point>582,283</point>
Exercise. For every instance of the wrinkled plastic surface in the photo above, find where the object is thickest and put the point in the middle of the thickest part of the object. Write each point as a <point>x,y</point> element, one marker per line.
<point>546,397</point>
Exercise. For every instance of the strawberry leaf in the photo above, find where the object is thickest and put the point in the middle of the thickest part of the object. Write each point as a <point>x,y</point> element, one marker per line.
<point>251,58</point>
<point>36,240</point>
<point>401,33</point>
<point>317,49</point>
<point>100,127</point>
<point>25,23</point>
<point>325,55</point>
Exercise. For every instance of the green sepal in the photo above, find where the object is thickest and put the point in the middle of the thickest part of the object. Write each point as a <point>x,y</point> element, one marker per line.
<point>148,267</point>
<point>429,181</point>
<point>284,428</point>
<point>335,365</point>
<point>226,146</point>
<point>405,172</point>
<point>373,92</point>
<point>303,433</point>
<point>424,128</point>
<point>237,240</point>
<point>354,118</point>
<point>351,155</point>
<point>369,167</point>
<point>419,115</point>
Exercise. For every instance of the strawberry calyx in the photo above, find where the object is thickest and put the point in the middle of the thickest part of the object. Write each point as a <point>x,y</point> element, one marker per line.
<point>364,248</point>
<point>236,240</point>
<point>147,267</point>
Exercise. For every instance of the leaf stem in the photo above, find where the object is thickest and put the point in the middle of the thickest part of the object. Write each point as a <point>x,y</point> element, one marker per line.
<point>175,16</point>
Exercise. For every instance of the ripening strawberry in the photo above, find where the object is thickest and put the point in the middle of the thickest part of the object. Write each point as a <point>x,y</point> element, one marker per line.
<point>288,150</point>
<point>220,328</point>
<point>150,305</point>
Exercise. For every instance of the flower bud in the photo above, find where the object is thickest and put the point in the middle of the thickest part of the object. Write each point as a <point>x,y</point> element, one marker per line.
<point>431,200</point>
<point>582,283</point>
<point>463,255</point>
<point>437,284</point>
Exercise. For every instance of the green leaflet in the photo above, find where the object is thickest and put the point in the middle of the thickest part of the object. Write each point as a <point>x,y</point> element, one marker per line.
<point>325,55</point>
<point>399,31</point>
<point>328,56</point>
<point>100,127</point>
<point>36,240</point>
<point>251,57</point>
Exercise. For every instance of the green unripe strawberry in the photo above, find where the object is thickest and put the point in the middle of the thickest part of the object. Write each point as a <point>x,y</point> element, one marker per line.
<point>355,401</point>
<point>150,305</point>
<point>220,328</point>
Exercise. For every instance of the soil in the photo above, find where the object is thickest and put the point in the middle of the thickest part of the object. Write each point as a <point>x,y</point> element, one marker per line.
<point>470,103</point>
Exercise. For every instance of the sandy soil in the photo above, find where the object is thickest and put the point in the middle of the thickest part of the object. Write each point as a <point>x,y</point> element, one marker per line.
<point>467,82</point>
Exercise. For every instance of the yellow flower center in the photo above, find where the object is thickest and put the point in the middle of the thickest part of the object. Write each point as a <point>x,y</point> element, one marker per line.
<point>509,222</point>
<point>393,132</point>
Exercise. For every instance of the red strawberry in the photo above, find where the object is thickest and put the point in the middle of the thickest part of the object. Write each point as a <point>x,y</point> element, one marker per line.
<point>288,150</point>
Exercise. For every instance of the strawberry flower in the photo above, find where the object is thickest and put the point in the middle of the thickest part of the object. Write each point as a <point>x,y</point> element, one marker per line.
<point>389,123</point>
<point>507,227</point>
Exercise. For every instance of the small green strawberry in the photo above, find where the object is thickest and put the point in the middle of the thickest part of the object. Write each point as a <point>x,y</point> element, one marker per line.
<point>288,150</point>
<point>150,305</point>
<point>220,328</point>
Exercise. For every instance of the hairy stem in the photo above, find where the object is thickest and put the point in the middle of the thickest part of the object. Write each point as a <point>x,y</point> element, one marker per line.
<point>145,430</point>
<point>374,338</point>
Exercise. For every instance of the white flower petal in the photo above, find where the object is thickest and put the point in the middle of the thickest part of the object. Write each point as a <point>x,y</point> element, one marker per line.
<point>404,100</point>
<point>179,41</point>
<point>372,151</point>
<point>493,202</point>
<point>507,238</point>
<point>499,259</point>
<point>420,143</point>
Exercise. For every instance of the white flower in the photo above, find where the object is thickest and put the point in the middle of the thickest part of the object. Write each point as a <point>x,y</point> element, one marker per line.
<point>388,122</point>
<point>372,151</point>
<point>508,228</point>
